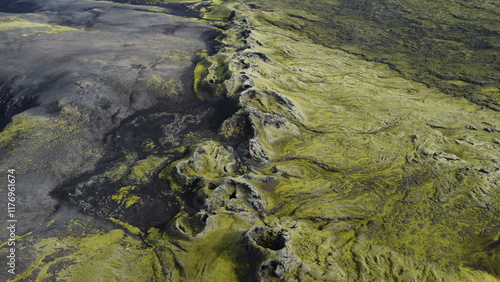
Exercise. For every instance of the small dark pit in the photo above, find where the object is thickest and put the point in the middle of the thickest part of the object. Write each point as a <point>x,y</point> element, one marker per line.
<point>268,238</point>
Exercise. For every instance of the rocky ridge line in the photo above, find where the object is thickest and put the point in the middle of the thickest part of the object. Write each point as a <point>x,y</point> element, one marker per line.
<point>231,185</point>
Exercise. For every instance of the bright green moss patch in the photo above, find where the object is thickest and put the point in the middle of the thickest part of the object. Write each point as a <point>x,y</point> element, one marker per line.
<point>214,255</point>
<point>492,92</point>
<point>39,131</point>
<point>130,228</point>
<point>14,23</point>
<point>10,23</point>
<point>18,128</point>
<point>459,82</point>
<point>117,172</point>
<point>150,145</point>
<point>200,71</point>
<point>122,193</point>
<point>142,170</point>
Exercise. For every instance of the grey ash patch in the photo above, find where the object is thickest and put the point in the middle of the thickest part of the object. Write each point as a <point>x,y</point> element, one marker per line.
<point>95,79</point>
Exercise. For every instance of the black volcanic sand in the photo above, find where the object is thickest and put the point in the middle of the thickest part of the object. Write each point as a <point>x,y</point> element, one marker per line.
<point>451,45</point>
<point>84,85</point>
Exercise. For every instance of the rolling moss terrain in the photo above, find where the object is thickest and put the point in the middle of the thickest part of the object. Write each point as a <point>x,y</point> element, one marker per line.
<point>451,45</point>
<point>343,156</point>
<point>353,171</point>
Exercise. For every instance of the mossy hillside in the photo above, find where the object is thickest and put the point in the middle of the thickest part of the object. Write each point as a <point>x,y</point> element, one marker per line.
<point>200,71</point>
<point>204,240</point>
<point>17,129</point>
<point>364,167</point>
<point>25,125</point>
<point>348,157</point>
<point>215,12</point>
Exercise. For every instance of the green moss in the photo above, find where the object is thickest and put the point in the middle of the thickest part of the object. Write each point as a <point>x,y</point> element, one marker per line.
<point>150,145</point>
<point>177,55</point>
<point>218,13</point>
<point>14,23</point>
<point>122,193</point>
<point>117,172</point>
<point>111,256</point>
<point>11,23</point>
<point>200,71</point>
<point>130,228</point>
<point>40,132</point>
<point>209,75</point>
<point>459,82</point>
<point>433,44</point>
<point>166,86</point>
<point>364,147</point>
<point>202,54</point>
<point>132,200</point>
<point>142,170</point>
<point>214,255</point>
<point>370,175</point>
<point>209,160</point>
<point>153,236</point>
<point>18,129</point>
